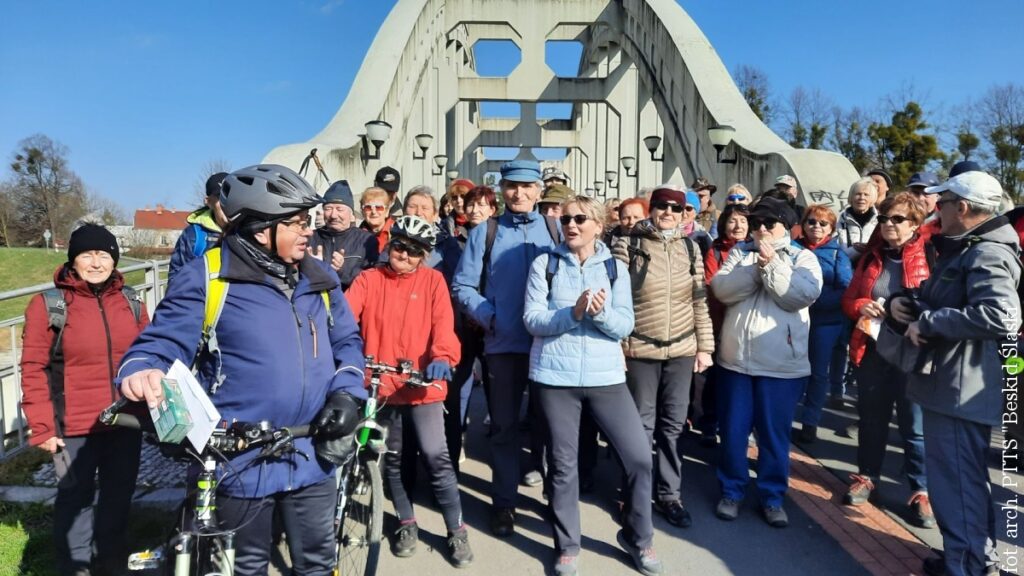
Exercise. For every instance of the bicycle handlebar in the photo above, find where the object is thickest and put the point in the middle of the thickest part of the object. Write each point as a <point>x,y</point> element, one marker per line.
<point>404,368</point>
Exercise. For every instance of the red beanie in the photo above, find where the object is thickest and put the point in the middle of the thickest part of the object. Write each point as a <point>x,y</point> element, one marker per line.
<point>669,193</point>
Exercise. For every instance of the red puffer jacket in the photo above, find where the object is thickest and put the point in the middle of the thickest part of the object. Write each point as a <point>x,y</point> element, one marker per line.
<point>915,271</point>
<point>712,262</point>
<point>97,333</point>
<point>407,316</point>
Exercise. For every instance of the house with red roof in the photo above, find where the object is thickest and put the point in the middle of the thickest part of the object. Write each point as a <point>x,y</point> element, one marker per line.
<point>158,227</point>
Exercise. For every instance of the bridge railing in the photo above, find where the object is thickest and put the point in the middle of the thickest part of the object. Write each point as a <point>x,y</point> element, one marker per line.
<point>12,420</point>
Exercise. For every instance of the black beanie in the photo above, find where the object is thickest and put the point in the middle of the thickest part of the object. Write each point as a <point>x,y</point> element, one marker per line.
<point>213,183</point>
<point>92,237</point>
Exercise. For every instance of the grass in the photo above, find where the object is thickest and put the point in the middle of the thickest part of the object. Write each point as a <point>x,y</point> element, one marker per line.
<point>26,539</point>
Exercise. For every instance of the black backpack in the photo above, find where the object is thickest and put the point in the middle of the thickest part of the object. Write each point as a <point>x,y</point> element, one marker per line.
<point>549,274</point>
<point>492,233</point>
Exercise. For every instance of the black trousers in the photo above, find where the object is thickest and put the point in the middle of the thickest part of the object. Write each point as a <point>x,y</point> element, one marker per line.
<point>76,529</point>
<point>454,421</point>
<point>308,518</point>
<point>508,381</point>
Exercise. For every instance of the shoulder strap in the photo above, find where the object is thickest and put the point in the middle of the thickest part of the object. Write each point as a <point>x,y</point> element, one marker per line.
<point>492,233</point>
<point>612,269</point>
<point>134,301</point>
<point>326,297</point>
<point>216,292</point>
<point>930,255</point>
<point>56,308</point>
<point>552,225</point>
<point>200,245</point>
<point>552,269</point>
<point>691,253</point>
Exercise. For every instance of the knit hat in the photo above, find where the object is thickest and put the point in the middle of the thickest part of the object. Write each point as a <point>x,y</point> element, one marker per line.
<point>213,183</point>
<point>693,199</point>
<point>92,237</point>
<point>670,193</point>
<point>774,208</point>
<point>339,193</point>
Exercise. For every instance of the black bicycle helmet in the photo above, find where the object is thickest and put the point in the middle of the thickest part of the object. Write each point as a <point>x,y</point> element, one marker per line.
<point>266,192</point>
<point>415,229</point>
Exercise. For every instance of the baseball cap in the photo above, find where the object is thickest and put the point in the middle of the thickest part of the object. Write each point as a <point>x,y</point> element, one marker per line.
<point>388,178</point>
<point>787,180</point>
<point>923,179</point>
<point>978,187</point>
<point>521,171</point>
<point>557,194</point>
<point>554,172</point>
<point>964,166</point>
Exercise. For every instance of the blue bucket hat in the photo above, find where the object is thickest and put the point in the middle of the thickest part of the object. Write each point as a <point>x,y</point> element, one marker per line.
<point>521,171</point>
<point>693,199</point>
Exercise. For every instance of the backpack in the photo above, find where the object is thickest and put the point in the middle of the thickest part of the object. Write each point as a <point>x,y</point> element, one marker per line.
<point>552,269</point>
<point>201,238</point>
<point>216,294</point>
<point>57,311</point>
<point>638,272</point>
<point>492,233</point>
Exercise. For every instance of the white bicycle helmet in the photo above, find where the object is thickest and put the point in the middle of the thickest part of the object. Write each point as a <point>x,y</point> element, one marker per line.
<point>415,229</point>
<point>266,192</point>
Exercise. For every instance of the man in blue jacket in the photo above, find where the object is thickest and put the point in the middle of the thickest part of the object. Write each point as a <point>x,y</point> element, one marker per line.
<point>277,354</point>
<point>490,286</point>
<point>204,228</point>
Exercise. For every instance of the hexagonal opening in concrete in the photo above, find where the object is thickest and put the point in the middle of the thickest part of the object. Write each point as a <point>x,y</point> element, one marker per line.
<point>496,58</point>
<point>492,109</point>
<point>564,57</point>
<point>550,154</point>
<point>555,115</point>
<point>500,153</point>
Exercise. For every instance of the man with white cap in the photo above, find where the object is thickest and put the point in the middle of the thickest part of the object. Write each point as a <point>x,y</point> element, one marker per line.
<point>787,184</point>
<point>554,175</point>
<point>965,313</point>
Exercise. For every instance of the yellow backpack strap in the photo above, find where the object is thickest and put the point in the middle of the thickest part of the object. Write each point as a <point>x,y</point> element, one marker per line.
<point>326,296</point>
<point>216,293</point>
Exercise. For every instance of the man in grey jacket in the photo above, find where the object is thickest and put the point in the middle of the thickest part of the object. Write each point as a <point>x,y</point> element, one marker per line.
<point>966,311</point>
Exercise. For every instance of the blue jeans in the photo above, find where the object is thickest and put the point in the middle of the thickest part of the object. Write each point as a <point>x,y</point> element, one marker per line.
<point>823,342</point>
<point>766,405</point>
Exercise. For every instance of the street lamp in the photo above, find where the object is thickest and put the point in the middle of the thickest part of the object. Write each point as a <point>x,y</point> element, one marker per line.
<point>652,143</point>
<point>423,141</point>
<point>629,163</point>
<point>589,192</point>
<point>453,174</point>
<point>720,137</point>
<point>613,179</point>
<point>377,132</point>
<point>440,160</point>
<point>598,185</point>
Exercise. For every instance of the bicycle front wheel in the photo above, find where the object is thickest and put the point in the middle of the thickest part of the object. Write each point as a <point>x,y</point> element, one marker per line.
<point>359,535</point>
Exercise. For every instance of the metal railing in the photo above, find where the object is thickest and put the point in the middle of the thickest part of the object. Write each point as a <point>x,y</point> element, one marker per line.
<point>12,420</point>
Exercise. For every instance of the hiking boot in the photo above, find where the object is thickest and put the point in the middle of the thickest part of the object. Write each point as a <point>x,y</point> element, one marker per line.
<point>645,559</point>
<point>921,509</point>
<point>674,512</point>
<point>776,517</point>
<point>806,435</point>
<point>567,565</point>
<point>458,547</point>
<point>532,478</point>
<point>406,537</point>
<point>503,522</point>
<point>727,509</point>
<point>936,566</point>
<point>860,491</point>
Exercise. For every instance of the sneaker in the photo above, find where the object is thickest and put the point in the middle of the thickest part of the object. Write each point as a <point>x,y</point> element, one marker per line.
<point>806,435</point>
<point>776,517</point>
<point>503,521</point>
<point>532,478</point>
<point>860,491</point>
<point>567,565</point>
<point>458,547</point>
<point>404,544</point>
<point>852,431</point>
<point>645,560</point>
<point>921,508</point>
<point>674,512</point>
<point>727,509</point>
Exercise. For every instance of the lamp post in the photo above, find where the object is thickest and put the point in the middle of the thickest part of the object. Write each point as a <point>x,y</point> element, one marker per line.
<point>720,137</point>
<point>439,160</point>
<point>377,132</point>
<point>629,163</point>
<point>652,143</point>
<point>453,174</point>
<point>613,179</point>
<point>423,141</point>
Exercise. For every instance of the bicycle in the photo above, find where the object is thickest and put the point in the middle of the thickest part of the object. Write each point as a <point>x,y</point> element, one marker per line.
<point>359,520</point>
<point>199,546</point>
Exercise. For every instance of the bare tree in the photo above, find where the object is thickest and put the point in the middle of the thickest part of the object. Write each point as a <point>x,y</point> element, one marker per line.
<point>47,191</point>
<point>105,210</point>
<point>808,114</point>
<point>1001,120</point>
<point>7,211</point>
<point>753,84</point>
<point>208,169</point>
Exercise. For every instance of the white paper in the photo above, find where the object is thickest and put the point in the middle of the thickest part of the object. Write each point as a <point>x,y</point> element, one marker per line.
<point>205,416</point>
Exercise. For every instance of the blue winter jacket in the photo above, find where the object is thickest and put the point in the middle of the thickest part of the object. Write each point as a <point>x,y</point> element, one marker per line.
<point>280,358</point>
<point>186,249</point>
<point>520,238</point>
<point>836,274</point>
<point>567,352</point>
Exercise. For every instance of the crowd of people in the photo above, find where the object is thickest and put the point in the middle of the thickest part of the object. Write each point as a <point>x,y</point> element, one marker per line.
<point>632,320</point>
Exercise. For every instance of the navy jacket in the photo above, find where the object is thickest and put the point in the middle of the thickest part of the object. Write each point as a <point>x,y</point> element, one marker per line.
<point>360,250</point>
<point>280,358</point>
<point>185,249</point>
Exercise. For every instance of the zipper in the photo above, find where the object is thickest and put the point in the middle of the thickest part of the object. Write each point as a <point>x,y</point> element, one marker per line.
<point>583,336</point>
<point>312,332</point>
<point>668,296</point>
<point>110,348</point>
<point>302,359</point>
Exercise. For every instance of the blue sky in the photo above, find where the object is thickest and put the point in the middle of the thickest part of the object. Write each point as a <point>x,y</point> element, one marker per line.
<point>146,93</point>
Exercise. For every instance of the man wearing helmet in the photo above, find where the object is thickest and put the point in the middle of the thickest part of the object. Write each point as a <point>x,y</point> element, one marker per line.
<point>404,311</point>
<point>255,368</point>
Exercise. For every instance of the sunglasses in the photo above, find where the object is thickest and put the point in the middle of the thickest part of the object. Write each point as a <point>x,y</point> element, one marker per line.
<point>941,201</point>
<point>579,219</point>
<point>411,250</point>
<point>756,223</point>
<point>677,208</point>
<point>373,207</point>
<point>813,222</point>
<point>896,220</point>
<point>735,198</point>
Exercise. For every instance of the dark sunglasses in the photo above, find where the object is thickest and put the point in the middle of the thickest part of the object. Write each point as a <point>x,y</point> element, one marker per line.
<point>756,223</point>
<point>677,208</point>
<point>411,250</point>
<point>813,222</point>
<point>896,220</point>
<point>579,219</point>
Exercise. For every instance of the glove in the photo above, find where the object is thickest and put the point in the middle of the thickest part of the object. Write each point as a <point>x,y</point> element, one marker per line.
<point>339,417</point>
<point>336,451</point>
<point>439,370</point>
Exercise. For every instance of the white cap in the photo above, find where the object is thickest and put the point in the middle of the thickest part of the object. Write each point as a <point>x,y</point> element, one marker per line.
<point>978,187</point>
<point>787,180</point>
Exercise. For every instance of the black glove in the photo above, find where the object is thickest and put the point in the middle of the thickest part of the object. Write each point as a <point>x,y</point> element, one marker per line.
<point>339,417</point>
<point>336,451</point>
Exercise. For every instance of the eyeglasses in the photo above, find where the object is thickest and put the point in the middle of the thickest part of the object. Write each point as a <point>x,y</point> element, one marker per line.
<point>411,250</point>
<point>735,198</point>
<point>296,225</point>
<point>373,207</point>
<point>896,219</point>
<point>941,201</point>
<point>813,222</point>
<point>579,219</point>
<point>756,223</point>
<point>677,208</point>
